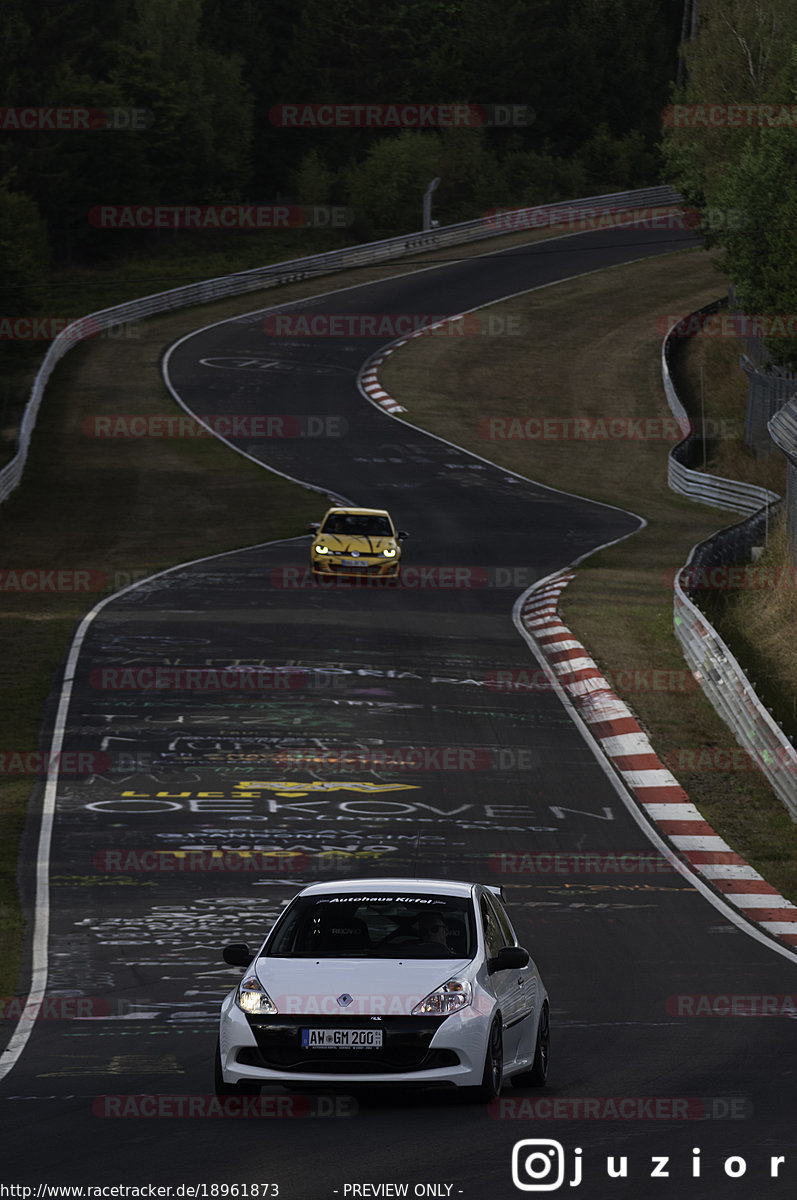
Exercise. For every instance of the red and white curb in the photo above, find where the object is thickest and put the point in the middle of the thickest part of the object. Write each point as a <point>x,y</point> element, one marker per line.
<point>374,390</point>
<point>369,380</point>
<point>661,797</point>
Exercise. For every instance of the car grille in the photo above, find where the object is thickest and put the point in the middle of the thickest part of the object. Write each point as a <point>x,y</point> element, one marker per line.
<point>365,569</point>
<point>405,1046</point>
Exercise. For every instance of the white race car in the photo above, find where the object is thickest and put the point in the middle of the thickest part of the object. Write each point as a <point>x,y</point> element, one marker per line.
<point>386,981</point>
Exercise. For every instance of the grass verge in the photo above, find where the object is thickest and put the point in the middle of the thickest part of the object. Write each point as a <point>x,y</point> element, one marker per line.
<point>592,351</point>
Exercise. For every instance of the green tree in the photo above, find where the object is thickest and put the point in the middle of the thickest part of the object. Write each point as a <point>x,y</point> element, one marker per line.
<point>760,191</point>
<point>314,180</point>
<point>739,56</point>
<point>24,252</point>
<point>386,190</point>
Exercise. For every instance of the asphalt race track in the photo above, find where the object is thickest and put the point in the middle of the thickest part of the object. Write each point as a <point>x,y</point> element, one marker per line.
<point>365,731</point>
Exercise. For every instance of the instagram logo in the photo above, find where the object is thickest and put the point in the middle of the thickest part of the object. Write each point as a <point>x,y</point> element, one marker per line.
<point>538,1165</point>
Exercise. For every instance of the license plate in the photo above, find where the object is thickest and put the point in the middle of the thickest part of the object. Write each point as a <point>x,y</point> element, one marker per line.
<point>342,1039</point>
<point>353,562</point>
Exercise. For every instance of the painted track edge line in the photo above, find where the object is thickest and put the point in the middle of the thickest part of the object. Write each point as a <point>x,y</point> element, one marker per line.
<point>650,830</point>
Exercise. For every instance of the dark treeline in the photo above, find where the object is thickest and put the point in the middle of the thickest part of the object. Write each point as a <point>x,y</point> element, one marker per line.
<point>740,170</point>
<point>595,72</point>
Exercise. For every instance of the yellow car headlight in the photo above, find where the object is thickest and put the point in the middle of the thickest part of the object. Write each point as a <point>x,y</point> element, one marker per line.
<point>389,552</point>
<point>321,549</point>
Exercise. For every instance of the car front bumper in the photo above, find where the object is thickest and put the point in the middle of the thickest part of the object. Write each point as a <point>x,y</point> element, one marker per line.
<point>416,1050</point>
<point>371,568</point>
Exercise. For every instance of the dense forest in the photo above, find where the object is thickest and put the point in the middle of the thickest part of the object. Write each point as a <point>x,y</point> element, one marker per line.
<point>207,81</point>
<point>195,102</point>
<point>731,149</point>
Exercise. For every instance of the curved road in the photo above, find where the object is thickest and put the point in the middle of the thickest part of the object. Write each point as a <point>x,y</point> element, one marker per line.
<point>219,800</point>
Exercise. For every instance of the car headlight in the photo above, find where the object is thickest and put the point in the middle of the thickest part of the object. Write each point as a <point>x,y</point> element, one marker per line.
<point>253,998</point>
<point>449,998</point>
<point>389,552</point>
<point>321,549</point>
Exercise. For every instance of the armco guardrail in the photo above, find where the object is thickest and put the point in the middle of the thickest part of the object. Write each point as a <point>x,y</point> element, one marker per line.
<point>733,696</point>
<point>575,211</point>
<point>730,494</point>
<point>708,657</point>
<point>783,431</point>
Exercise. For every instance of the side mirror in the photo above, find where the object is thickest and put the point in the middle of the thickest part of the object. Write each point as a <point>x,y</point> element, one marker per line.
<point>313,527</point>
<point>510,958</point>
<point>237,955</point>
<point>402,534</point>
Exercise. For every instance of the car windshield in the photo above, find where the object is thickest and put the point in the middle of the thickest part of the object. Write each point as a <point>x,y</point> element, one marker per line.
<point>357,525</point>
<point>375,926</point>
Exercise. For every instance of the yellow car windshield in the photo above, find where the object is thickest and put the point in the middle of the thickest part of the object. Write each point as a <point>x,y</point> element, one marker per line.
<point>353,525</point>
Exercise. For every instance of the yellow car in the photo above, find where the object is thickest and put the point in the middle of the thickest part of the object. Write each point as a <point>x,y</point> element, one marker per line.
<point>357,543</point>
